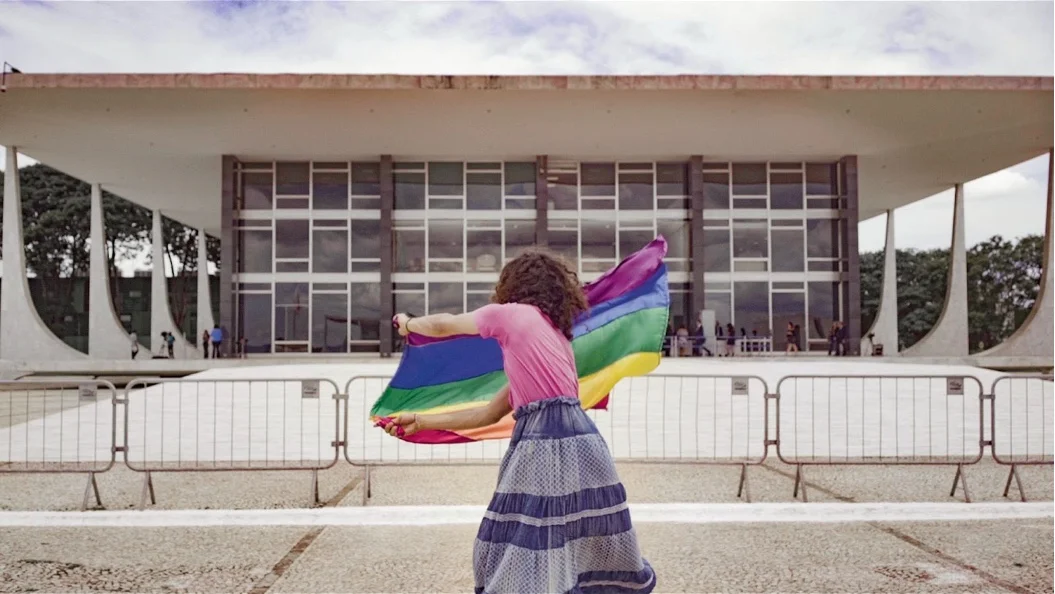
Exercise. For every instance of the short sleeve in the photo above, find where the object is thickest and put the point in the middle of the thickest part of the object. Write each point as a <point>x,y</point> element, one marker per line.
<point>493,320</point>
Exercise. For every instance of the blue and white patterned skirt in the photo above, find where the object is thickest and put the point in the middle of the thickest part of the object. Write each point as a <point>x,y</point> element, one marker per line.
<point>558,522</point>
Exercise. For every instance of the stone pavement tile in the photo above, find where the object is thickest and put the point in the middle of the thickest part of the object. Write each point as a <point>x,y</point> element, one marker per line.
<point>120,488</point>
<point>1018,552</point>
<point>985,481</point>
<point>217,560</point>
<point>645,483</point>
<point>687,558</point>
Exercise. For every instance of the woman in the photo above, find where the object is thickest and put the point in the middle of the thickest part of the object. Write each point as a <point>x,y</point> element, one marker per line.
<point>205,344</point>
<point>558,520</point>
<point>791,336</point>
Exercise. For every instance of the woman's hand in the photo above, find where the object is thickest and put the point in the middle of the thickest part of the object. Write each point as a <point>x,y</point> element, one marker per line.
<point>401,323</point>
<point>408,421</point>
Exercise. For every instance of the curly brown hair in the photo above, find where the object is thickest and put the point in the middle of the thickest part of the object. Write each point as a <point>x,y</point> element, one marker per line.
<point>540,278</point>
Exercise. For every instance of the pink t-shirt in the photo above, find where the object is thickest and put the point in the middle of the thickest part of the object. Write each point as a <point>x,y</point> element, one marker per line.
<point>538,359</point>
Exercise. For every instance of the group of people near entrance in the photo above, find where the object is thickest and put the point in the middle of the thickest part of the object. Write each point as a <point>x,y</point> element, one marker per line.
<point>684,344</point>
<point>166,350</point>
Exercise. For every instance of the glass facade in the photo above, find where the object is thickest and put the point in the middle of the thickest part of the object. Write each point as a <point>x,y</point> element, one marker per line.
<point>308,239</point>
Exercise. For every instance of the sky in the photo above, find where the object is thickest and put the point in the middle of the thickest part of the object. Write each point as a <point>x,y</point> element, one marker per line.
<point>846,37</point>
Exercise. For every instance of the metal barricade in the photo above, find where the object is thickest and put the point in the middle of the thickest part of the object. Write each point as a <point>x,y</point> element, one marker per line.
<point>860,420</point>
<point>208,425</point>
<point>1021,424</point>
<point>659,418</point>
<point>58,426</point>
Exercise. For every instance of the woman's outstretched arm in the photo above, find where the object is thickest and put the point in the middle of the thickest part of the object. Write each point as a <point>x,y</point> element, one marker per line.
<point>472,418</point>
<point>437,325</point>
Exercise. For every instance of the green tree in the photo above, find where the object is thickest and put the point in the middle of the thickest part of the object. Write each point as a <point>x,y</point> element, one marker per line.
<point>1003,279</point>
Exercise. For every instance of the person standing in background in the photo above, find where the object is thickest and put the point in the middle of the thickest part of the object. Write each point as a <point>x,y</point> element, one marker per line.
<point>135,343</point>
<point>170,344</point>
<point>217,338</point>
<point>205,344</point>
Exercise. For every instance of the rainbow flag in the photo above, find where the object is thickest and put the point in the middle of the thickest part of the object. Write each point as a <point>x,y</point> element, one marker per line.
<point>620,336</point>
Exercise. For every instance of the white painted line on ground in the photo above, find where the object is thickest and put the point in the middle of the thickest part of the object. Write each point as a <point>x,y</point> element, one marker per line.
<point>676,513</point>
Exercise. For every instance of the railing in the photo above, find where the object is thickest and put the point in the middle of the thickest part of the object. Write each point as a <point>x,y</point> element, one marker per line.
<point>59,426</point>
<point>209,425</point>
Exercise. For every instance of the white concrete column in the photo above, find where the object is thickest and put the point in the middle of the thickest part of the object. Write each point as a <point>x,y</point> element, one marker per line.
<point>948,337</point>
<point>885,325</point>
<point>24,336</point>
<point>107,338</point>
<point>160,313</point>
<point>1034,337</point>
<point>205,321</point>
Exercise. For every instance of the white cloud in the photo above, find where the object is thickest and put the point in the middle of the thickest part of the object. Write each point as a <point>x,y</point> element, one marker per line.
<point>991,38</point>
<point>1009,203</point>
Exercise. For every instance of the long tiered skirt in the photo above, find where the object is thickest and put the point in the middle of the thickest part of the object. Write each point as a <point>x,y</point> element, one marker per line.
<point>558,522</point>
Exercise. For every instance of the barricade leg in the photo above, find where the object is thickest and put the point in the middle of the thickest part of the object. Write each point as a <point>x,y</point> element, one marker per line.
<point>366,484</point>
<point>314,500</point>
<point>91,488</point>
<point>1018,482</point>
<point>148,489</point>
<point>961,477</point>
<point>800,483</point>
<point>744,490</point>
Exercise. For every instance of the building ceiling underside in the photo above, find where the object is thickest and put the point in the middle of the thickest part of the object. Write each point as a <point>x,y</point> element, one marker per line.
<point>161,147</point>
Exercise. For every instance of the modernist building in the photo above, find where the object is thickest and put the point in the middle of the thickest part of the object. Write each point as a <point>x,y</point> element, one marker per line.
<point>342,199</point>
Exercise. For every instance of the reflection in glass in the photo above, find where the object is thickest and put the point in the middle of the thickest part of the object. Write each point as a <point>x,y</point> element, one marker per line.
<point>365,320</point>
<point>329,190</point>
<point>484,191</point>
<point>474,301</point>
<point>678,241</point>
<point>749,179</point>
<point>750,238</point>
<point>254,250</point>
<point>446,242</point>
<point>254,321</point>
<point>631,241</point>
<point>564,191</point>
<point>412,303</point>
<point>598,179</point>
<point>681,315</point>
<point>292,179</point>
<point>366,238</point>
<point>409,190</point>
<point>820,179</point>
<point>785,191</point>
<point>823,299</point>
<point>291,312</point>
<point>716,249</point>
<point>409,246</point>
<point>598,240</point>
<point>329,323</point>
<point>445,178</point>
<point>721,304</point>
<point>752,307</point>
<point>329,250</point>
<point>672,179</point>
<point>257,191</point>
<point>788,307</point>
<point>520,179</point>
<point>484,250</point>
<point>366,179</point>
<point>788,250</point>
<point>446,298</point>
<point>716,190</point>
<point>291,239</point>
<point>822,238</point>
<point>520,235</point>
<point>564,240</point>
<point>635,191</point>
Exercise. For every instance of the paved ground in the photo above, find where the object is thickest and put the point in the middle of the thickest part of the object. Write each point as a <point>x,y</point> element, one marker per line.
<point>975,556</point>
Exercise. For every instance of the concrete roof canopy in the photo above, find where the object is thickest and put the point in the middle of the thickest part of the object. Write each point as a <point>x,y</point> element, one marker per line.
<point>157,139</point>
